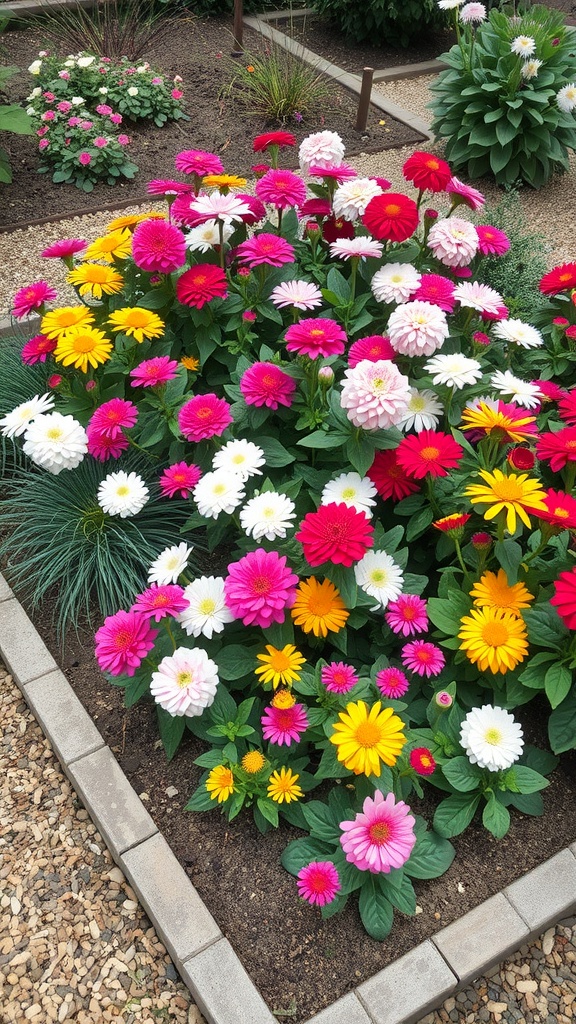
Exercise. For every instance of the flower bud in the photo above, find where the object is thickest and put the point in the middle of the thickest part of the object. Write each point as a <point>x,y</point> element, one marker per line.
<point>54,380</point>
<point>249,315</point>
<point>560,321</point>
<point>90,385</point>
<point>481,541</point>
<point>326,376</point>
<point>479,338</point>
<point>443,700</point>
<point>521,458</point>
<point>430,214</point>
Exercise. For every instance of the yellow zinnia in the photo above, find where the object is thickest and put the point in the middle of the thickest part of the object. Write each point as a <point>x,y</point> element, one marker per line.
<point>138,322</point>
<point>220,783</point>
<point>280,666</point>
<point>253,762</point>
<point>95,278</point>
<point>318,607</point>
<point>514,494</point>
<point>493,639</point>
<point>190,363</point>
<point>283,698</point>
<point>132,220</point>
<point>117,245</point>
<point>81,347</point>
<point>492,421</point>
<point>223,181</point>
<point>282,786</point>
<point>57,321</point>
<point>366,736</point>
<point>494,591</point>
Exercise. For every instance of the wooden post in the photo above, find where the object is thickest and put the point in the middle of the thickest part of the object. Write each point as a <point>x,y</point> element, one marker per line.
<point>364,100</point>
<point>238,48</point>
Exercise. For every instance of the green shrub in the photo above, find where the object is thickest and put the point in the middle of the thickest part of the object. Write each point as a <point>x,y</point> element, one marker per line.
<point>381,21</point>
<point>277,85</point>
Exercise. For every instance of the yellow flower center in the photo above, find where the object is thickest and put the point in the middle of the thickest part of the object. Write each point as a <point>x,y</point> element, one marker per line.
<point>379,832</point>
<point>239,458</point>
<point>392,210</point>
<point>493,736</point>
<point>84,343</point>
<point>367,734</point>
<point>55,433</point>
<point>184,678</point>
<point>253,761</point>
<point>137,318</point>
<point>219,489</point>
<point>378,576</point>
<point>122,491</point>
<point>207,606</point>
<point>507,489</point>
<point>348,492</point>
<point>561,513</point>
<point>494,634</point>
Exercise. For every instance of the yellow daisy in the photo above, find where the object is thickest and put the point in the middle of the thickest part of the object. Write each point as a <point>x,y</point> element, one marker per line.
<point>138,322</point>
<point>318,607</point>
<point>57,321</point>
<point>220,783</point>
<point>253,762</point>
<point>514,494</point>
<point>366,736</point>
<point>282,786</point>
<point>190,363</point>
<point>81,347</point>
<point>493,639</point>
<point>280,666</point>
<point>494,591</point>
<point>95,278</point>
<point>223,181</point>
<point>503,425</point>
<point>132,220</point>
<point>117,245</point>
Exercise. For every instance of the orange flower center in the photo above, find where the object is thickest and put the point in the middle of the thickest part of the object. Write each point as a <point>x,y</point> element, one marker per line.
<point>430,454</point>
<point>261,585</point>
<point>494,634</point>
<point>367,734</point>
<point>561,513</point>
<point>392,209</point>
<point>379,832</point>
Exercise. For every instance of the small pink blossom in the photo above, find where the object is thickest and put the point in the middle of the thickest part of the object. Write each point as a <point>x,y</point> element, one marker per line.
<point>179,479</point>
<point>100,142</point>
<point>104,109</point>
<point>123,140</point>
<point>407,615</point>
<point>123,642</point>
<point>43,144</point>
<point>176,94</point>
<point>423,658</point>
<point>338,677</point>
<point>84,159</point>
<point>116,118</point>
<point>392,683</point>
<point>64,106</point>
<point>48,115</point>
<point>160,600</point>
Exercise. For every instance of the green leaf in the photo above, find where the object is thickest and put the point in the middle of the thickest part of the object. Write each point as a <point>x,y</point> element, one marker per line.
<point>545,627</point>
<point>209,759</point>
<point>509,554</point>
<point>14,119</point>
<point>462,775</point>
<point>322,822</point>
<point>526,780</point>
<point>275,453</point>
<point>446,613</point>
<point>534,674</point>
<point>330,767</point>
<point>530,803</point>
<point>562,725</point>
<point>171,731</point>
<point>496,817</point>
<point>338,284</point>
<point>431,856</point>
<point>376,911</point>
<point>557,683</point>
<point>300,852</point>
<point>200,800</point>
<point>269,810</point>
<point>400,891</point>
<point>235,661</point>
<point>360,452</point>
<point>419,523</point>
<point>322,439</point>
<point>455,813</point>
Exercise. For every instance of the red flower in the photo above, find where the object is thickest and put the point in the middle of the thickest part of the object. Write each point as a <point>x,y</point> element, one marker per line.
<point>335,533</point>
<point>422,761</point>
<point>427,172</point>
<point>334,228</point>
<point>392,217</point>
<point>521,458</point>
<point>560,510</point>
<point>567,407</point>
<point>388,477</point>
<point>281,139</point>
<point>564,600</point>
<point>428,453</point>
<point>560,279</point>
<point>453,523</point>
<point>200,284</point>
<point>558,448</point>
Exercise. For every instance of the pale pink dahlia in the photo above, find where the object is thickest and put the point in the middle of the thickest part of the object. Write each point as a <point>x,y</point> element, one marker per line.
<point>185,683</point>
<point>158,247</point>
<point>281,189</point>
<point>356,248</point>
<point>407,615</point>
<point>318,882</point>
<point>375,395</point>
<point>299,294</point>
<point>160,600</point>
<point>259,588</point>
<point>123,642</point>
<point>381,837</point>
<point>453,241</point>
<point>474,295</point>
<point>322,149</point>
<point>266,384</point>
<point>417,328</point>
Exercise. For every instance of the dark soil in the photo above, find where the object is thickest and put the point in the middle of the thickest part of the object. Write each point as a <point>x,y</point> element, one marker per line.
<point>299,962</point>
<point>199,51</point>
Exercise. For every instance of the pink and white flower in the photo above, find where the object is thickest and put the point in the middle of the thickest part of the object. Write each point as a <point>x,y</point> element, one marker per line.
<point>185,682</point>
<point>453,241</point>
<point>352,198</point>
<point>395,282</point>
<point>375,395</point>
<point>417,328</point>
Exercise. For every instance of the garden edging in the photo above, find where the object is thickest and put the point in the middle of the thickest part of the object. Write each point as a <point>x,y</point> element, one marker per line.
<point>401,993</point>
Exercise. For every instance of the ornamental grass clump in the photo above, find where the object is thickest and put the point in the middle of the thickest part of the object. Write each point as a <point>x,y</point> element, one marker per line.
<point>380,460</point>
<point>506,104</point>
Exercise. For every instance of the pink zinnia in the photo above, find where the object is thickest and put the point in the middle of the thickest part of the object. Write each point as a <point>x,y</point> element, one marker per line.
<point>392,683</point>
<point>36,350</point>
<point>199,285</point>
<point>196,161</point>
<point>256,209</point>
<point>374,347</point>
<point>282,725</point>
<point>204,416</point>
<point>564,599</point>
<point>179,479</point>
<point>407,615</point>
<point>32,298</point>
<point>64,106</point>
<point>318,882</point>
<point>123,642</point>
<point>266,384</point>
<point>338,677</point>
<point>423,658</point>
<point>113,416</point>
<point>84,159</point>
<point>102,447</point>
<point>265,249</point>
<point>154,371</point>
<point>335,533</point>
<point>567,407</point>
<point>492,241</point>
<point>315,208</point>
<point>158,601</point>
<point>166,186</point>
<point>158,247</point>
<point>103,109</point>
<point>100,142</point>
<point>558,448</point>
<point>437,290</point>
<point>381,836</point>
<point>259,588</point>
<point>549,390</point>
<point>316,337</point>
<point>281,189</point>
<point>339,173</point>
<point>464,194</point>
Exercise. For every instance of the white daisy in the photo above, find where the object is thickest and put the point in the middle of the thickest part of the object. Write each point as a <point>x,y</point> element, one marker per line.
<point>523,46</point>
<point>519,333</point>
<point>566,98</point>
<point>206,236</point>
<point>241,457</point>
<point>423,413</point>
<point>518,390</point>
<point>352,198</point>
<point>449,5</point>
<point>122,494</point>
<point>55,442</point>
<point>378,575</point>
<point>16,422</point>
<point>267,515</point>
<point>169,565</point>
<point>322,149</point>
<point>474,295</point>
<point>395,282</point>
<point>186,682</point>
<point>218,492</point>
<point>227,208</point>
<point>206,613</point>
<point>454,370</point>
<point>491,738</point>
<point>360,247</point>
<point>299,294</point>
<point>352,490</point>
<point>530,69</point>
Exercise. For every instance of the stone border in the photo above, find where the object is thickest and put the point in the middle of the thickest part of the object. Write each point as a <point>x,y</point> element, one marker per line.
<point>401,993</point>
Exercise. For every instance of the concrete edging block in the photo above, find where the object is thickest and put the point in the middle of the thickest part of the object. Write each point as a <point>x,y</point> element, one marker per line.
<point>30,325</point>
<point>547,893</point>
<point>5,592</point>
<point>222,989</point>
<point>21,648</point>
<point>407,989</point>
<point>347,1010</point>
<point>62,717</point>
<point>482,938</point>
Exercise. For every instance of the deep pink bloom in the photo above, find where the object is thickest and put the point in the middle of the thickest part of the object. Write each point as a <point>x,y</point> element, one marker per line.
<point>392,683</point>
<point>48,115</point>
<point>104,447</point>
<point>336,172</point>
<point>158,247</point>
<point>32,298</point>
<point>374,347</point>
<point>179,479</point>
<point>422,761</point>
<point>336,533</point>
<point>113,416</point>
<point>86,125</point>
<point>166,187</point>
<point>176,94</point>
<point>279,138</point>
<point>36,350</point>
<point>265,249</point>
<point>84,159</point>
<point>64,106</point>
<point>196,161</point>
<point>567,407</point>
<point>315,208</point>
<point>123,140</point>
<point>257,210</point>
<point>318,882</point>
<point>436,289</point>
<point>564,599</point>
<point>463,193</point>
<point>100,142</point>
<point>116,119</point>
<point>316,336</point>
<point>492,241</point>
<point>281,189</point>
<point>249,316</point>
<point>338,677</point>
<point>423,658</point>
<point>200,284</point>
<point>204,416</point>
<point>266,384</point>
<point>73,122</point>
<point>549,390</point>
<point>54,380</point>
<point>381,836</point>
<point>480,338</point>
<point>259,588</point>
<point>282,725</point>
<point>158,601</point>
<point>123,642</point>
<point>558,448</point>
<point>152,372</point>
<point>43,144</point>
<point>407,615</point>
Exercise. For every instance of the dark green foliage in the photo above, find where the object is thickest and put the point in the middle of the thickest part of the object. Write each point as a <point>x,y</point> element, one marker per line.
<point>516,274</point>
<point>382,21</point>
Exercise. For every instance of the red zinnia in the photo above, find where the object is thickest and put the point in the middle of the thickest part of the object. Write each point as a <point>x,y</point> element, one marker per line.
<point>560,279</point>
<point>335,533</point>
<point>388,477</point>
<point>567,407</point>
<point>316,337</point>
<point>564,600</point>
<point>392,217</point>
<point>454,523</point>
<point>560,510</point>
<point>558,449</point>
<point>280,139</point>
<point>201,284</point>
<point>204,416</point>
<point>374,347</point>
<point>427,172</point>
<point>428,453</point>
<point>36,350</point>
<point>315,208</point>
<point>334,228</point>
<point>422,761</point>
<point>521,458</point>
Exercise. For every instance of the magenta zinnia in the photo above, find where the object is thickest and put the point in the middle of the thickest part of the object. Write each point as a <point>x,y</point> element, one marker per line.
<point>102,447</point>
<point>265,250</point>
<point>564,599</point>
<point>113,416</point>
<point>158,247</point>
<point>123,642</point>
<point>36,350</point>
<point>373,348</point>
<point>281,189</point>
<point>32,298</point>
<point>204,416</point>
<point>179,479</point>
<point>160,600</point>
<point>259,588</point>
<point>381,836</point>
<point>407,615</point>
<point>282,725</point>
<point>558,448</point>
<point>64,249</point>
<point>491,241</point>
<point>318,882</point>
<point>392,682</point>
<point>198,162</point>
<point>201,284</point>
<point>338,677</point>
<point>266,384</point>
<point>423,658</point>
<point>150,373</point>
<point>335,533</point>
<point>316,337</point>
<point>437,290</point>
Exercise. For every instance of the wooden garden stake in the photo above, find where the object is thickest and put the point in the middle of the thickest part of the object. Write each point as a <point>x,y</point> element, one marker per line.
<point>238,48</point>
<point>364,100</point>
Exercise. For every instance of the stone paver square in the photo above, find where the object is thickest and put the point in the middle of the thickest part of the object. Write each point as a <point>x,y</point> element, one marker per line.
<point>393,996</point>
<point>482,938</point>
<point>222,989</point>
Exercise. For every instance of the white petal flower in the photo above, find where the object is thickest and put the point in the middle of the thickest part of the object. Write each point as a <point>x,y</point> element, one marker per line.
<point>322,149</point>
<point>491,738</point>
<point>206,613</point>
<point>55,442</point>
<point>122,494</point>
<point>169,565</point>
<point>423,413</point>
<point>473,14</point>
<point>185,683</point>
<point>530,69</point>
<point>363,248</point>
<point>218,492</point>
<point>454,370</point>
<point>520,391</point>
<point>449,5</point>
<point>206,236</point>
<point>15,423</point>
<point>77,101</point>
<point>566,98</point>
<point>85,62</point>
<point>519,333</point>
<point>215,206</point>
<point>35,66</point>
<point>417,328</point>
<point>375,395</point>
<point>523,46</point>
<point>132,91</point>
<point>352,198</point>
<point>268,515</point>
<point>353,490</point>
<point>395,282</point>
<point>378,575</point>
<point>474,295</point>
<point>241,457</point>
<point>299,294</point>
<point>454,241</point>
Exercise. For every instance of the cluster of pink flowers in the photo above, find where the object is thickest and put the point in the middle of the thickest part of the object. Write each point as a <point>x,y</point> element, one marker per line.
<point>105,430</point>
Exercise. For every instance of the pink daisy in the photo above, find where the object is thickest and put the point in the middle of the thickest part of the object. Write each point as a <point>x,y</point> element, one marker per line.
<point>32,298</point>
<point>407,615</point>
<point>159,600</point>
<point>102,447</point>
<point>204,416</point>
<point>154,371</point>
<point>315,208</point>
<point>423,658</point>
<point>318,882</point>
<point>340,173</point>
<point>196,161</point>
<point>381,837</point>
<point>436,289</point>
<point>158,247</point>
<point>281,189</point>
<point>266,384</point>
<point>492,241</point>
<point>179,479</point>
<point>282,725</point>
<point>549,390</point>
<point>259,588</point>
<point>316,337</point>
<point>36,350</point>
<point>123,642</point>
<point>464,194</point>
<point>265,249</point>
<point>168,187</point>
<point>374,347</point>
<point>113,416</point>
<point>338,677</point>
<point>392,683</point>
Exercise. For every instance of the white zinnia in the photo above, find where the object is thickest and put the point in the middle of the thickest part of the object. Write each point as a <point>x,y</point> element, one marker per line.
<point>206,236</point>
<point>474,295</point>
<point>424,411</point>
<point>55,442</point>
<point>85,62</point>
<point>379,576</point>
<point>322,149</point>
<point>519,333</point>
<point>395,282</point>
<point>473,14</point>
<point>206,613</point>
<point>566,98</point>
<point>15,423</point>
<point>77,101</point>
<point>217,206</point>
<point>132,91</point>
<point>520,391</point>
<point>524,46</point>
<point>352,198</point>
<point>299,294</point>
<point>360,247</point>
<point>220,491</point>
<point>353,490</point>
<point>122,494</point>
<point>455,370</point>
<point>241,457</point>
<point>417,328</point>
<point>449,5</point>
<point>169,565</point>
<point>491,738</point>
<point>103,90</point>
<point>268,515</point>
<point>35,93</point>
<point>530,69</point>
<point>185,683</point>
<point>35,66</point>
